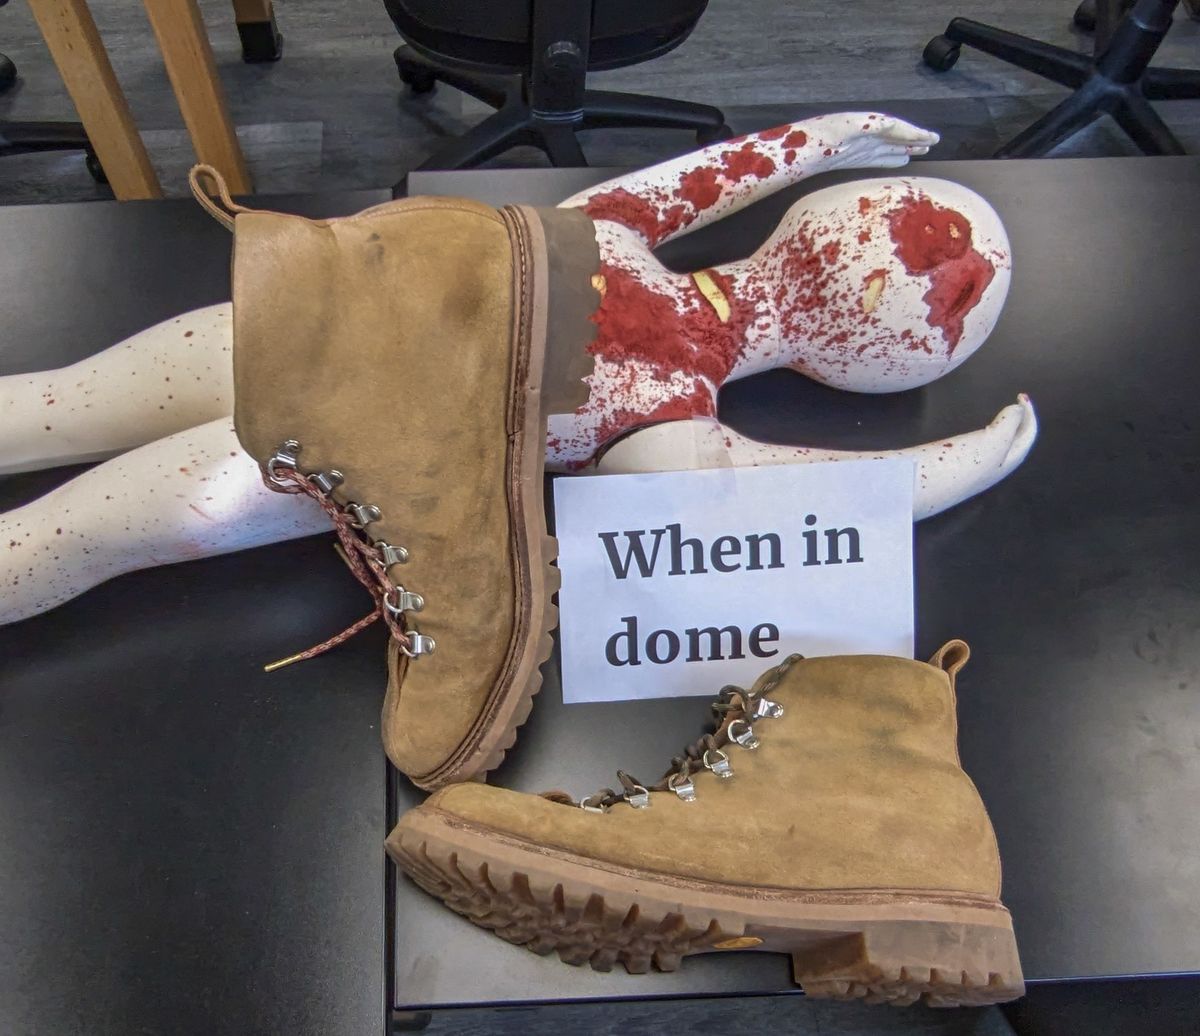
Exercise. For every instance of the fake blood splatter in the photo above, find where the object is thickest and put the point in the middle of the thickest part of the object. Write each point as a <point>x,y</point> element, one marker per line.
<point>746,161</point>
<point>636,213</point>
<point>936,242</point>
<point>699,188</point>
<point>669,336</point>
<point>698,402</point>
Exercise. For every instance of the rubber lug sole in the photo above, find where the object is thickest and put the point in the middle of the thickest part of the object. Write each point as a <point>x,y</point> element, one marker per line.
<point>882,947</point>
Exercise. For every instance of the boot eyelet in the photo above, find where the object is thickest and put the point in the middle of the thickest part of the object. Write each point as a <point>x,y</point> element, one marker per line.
<point>683,786</point>
<point>418,645</point>
<point>398,600</point>
<point>391,555</point>
<point>764,708</point>
<point>362,515</point>
<point>283,457</point>
<point>327,481</point>
<point>741,733</point>
<point>587,806</point>
<point>717,761</point>
<point>639,798</point>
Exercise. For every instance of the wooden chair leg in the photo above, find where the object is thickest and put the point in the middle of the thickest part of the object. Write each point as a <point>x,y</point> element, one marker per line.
<point>188,56</point>
<point>75,45</point>
<point>260,36</point>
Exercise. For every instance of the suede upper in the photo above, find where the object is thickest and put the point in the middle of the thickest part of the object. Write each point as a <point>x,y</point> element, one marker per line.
<point>856,786</point>
<point>383,343</point>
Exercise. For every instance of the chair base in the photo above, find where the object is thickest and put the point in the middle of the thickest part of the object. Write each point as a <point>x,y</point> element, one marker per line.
<point>1116,80</point>
<point>8,73</point>
<point>517,122</point>
<point>23,138</point>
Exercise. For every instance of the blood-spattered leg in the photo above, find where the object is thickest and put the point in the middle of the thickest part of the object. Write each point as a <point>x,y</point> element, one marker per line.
<point>685,193</point>
<point>879,285</point>
<point>948,471</point>
<point>174,375</point>
<point>192,495</point>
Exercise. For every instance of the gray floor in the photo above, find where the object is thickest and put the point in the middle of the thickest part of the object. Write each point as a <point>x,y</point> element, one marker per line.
<point>331,115</point>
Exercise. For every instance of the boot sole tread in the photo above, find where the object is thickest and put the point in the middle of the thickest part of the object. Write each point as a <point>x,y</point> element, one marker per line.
<point>892,948</point>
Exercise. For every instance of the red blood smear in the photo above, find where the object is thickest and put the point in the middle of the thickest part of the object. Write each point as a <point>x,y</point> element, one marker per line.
<point>636,323</point>
<point>627,209</point>
<point>789,157</point>
<point>641,215</point>
<point>696,403</point>
<point>811,272</point>
<point>795,139</point>
<point>827,152</point>
<point>864,205</point>
<point>936,241</point>
<point>699,188</point>
<point>927,235</point>
<point>773,134</point>
<point>746,161</point>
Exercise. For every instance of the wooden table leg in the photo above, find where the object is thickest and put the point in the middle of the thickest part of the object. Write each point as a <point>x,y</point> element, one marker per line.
<point>188,56</point>
<point>261,40</point>
<point>77,50</point>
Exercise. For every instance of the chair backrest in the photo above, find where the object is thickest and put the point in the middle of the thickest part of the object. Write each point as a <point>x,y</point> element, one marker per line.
<point>496,34</point>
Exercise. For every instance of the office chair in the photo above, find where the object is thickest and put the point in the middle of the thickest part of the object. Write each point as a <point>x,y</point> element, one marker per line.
<point>19,138</point>
<point>530,61</point>
<point>1115,80</point>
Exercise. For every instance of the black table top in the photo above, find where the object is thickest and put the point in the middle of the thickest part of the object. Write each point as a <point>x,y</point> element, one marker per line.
<point>190,845</point>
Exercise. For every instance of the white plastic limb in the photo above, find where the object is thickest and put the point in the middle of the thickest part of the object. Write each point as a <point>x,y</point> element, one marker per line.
<point>174,375</point>
<point>683,194</point>
<point>947,471</point>
<point>192,495</point>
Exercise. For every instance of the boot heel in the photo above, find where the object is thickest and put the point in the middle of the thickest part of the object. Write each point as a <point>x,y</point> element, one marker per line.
<point>899,962</point>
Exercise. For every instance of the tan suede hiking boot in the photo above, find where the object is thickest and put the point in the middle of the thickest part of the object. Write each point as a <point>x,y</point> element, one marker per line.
<point>830,820</point>
<point>390,365</point>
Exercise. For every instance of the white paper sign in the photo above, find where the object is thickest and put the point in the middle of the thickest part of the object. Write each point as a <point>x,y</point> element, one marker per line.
<point>677,583</point>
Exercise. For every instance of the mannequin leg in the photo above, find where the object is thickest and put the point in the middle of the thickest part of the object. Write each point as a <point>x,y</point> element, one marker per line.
<point>192,495</point>
<point>948,471</point>
<point>172,376</point>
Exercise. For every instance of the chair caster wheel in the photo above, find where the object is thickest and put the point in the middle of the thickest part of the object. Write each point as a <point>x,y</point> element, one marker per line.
<point>941,53</point>
<point>704,137</point>
<point>1085,16</point>
<point>419,81</point>
<point>95,168</point>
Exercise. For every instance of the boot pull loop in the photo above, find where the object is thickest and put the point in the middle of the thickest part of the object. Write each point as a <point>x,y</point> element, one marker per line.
<point>196,180</point>
<point>951,657</point>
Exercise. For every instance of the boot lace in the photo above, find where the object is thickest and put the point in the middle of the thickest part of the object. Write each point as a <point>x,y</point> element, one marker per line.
<point>736,710</point>
<point>368,559</point>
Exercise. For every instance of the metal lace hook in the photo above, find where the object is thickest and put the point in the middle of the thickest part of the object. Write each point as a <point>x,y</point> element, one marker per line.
<point>362,515</point>
<point>741,733</point>
<point>285,456</point>
<point>327,481</point>
<point>718,762</point>
<point>398,601</point>
<point>418,644</point>
<point>682,784</point>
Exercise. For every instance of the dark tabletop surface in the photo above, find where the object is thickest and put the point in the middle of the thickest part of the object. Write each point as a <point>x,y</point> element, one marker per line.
<point>190,845</point>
